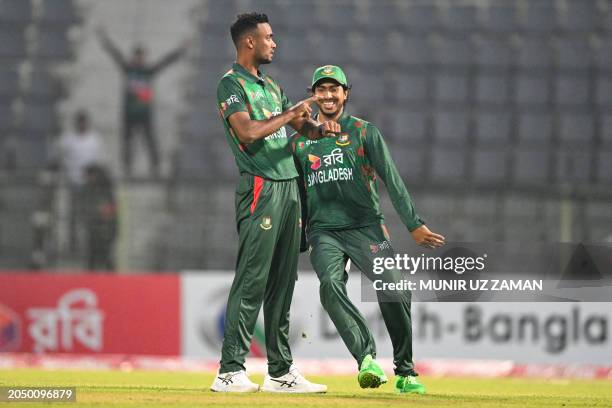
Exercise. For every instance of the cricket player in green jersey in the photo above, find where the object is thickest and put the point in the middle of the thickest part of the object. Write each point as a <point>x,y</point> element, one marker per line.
<point>344,222</point>
<point>254,110</point>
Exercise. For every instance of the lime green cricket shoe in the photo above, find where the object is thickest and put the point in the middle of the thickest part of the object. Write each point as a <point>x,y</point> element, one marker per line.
<point>408,384</point>
<point>371,375</point>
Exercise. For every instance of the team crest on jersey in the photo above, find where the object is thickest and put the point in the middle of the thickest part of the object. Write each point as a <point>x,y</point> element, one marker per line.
<point>315,160</point>
<point>301,145</point>
<point>343,140</point>
<point>266,223</point>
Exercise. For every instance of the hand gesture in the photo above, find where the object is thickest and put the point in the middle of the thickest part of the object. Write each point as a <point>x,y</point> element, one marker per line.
<point>329,128</point>
<point>302,109</point>
<point>424,237</point>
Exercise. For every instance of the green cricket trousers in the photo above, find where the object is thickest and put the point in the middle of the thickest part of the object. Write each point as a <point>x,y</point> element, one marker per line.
<point>268,220</point>
<point>330,251</point>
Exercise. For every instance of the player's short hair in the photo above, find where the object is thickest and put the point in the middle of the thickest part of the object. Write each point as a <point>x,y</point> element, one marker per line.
<point>245,23</point>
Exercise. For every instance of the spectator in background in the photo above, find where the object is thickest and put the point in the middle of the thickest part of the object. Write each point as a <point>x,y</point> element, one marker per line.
<point>138,97</point>
<point>101,219</point>
<point>77,149</point>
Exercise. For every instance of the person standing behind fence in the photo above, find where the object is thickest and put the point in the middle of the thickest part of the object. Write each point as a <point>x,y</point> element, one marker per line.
<point>77,149</point>
<point>138,97</point>
<point>102,218</point>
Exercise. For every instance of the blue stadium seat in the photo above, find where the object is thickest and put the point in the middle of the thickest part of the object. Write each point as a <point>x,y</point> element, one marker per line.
<point>17,12</point>
<point>604,54</point>
<point>331,49</point>
<point>53,44</point>
<point>581,16</point>
<point>367,85</point>
<point>290,15</point>
<point>216,47</point>
<point>501,18</point>
<point>598,219</point>
<point>416,52</point>
<point>490,167</point>
<point>531,166</point>
<point>604,167</point>
<point>532,90</point>
<point>535,55</point>
<point>422,19</point>
<point>31,154</point>
<point>452,52</point>
<point>371,50</point>
<point>383,17</point>
<point>43,87</point>
<point>461,19</point>
<point>39,118</point>
<point>493,128</point>
<point>451,88</point>
<point>13,43</point>
<point>220,14</point>
<point>603,90</point>
<point>534,128</point>
<point>337,16</point>
<point>451,128</point>
<point>494,53</point>
<point>410,162</point>
<point>606,130</point>
<point>410,87</point>
<point>59,12</point>
<point>7,119</point>
<point>493,89</point>
<point>9,84</point>
<point>572,91</point>
<point>576,129</point>
<point>406,127</point>
<point>574,55</point>
<point>448,165</point>
<point>293,48</point>
<point>573,166</point>
<point>540,18</point>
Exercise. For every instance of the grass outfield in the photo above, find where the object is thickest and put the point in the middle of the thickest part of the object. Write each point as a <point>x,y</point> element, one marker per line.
<point>180,389</point>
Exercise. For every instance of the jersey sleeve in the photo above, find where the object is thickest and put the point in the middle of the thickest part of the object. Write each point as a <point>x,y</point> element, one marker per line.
<point>231,97</point>
<point>380,158</point>
<point>285,100</point>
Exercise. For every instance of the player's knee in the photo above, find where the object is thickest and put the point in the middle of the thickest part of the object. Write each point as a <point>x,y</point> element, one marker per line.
<point>329,288</point>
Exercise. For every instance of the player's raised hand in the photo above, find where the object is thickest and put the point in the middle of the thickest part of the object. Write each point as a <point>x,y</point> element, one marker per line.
<point>329,128</point>
<point>302,108</point>
<point>424,237</point>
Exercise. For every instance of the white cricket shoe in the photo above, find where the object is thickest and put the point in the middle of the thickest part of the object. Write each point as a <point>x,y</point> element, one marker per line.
<point>234,381</point>
<point>292,382</point>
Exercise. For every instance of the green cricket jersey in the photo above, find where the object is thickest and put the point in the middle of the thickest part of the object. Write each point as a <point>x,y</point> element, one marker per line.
<point>339,175</point>
<point>262,98</point>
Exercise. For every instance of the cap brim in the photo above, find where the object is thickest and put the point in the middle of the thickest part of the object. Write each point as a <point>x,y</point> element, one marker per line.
<point>326,79</point>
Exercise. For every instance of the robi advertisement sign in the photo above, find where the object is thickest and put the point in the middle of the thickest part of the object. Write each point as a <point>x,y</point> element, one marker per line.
<point>46,313</point>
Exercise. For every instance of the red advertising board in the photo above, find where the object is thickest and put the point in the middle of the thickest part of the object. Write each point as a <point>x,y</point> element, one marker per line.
<point>53,313</point>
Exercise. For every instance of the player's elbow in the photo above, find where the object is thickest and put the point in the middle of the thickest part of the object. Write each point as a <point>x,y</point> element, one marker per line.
<point>246,137</point>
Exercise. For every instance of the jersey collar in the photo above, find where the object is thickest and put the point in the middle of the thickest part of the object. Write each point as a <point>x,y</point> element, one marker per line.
<point>247,75</point>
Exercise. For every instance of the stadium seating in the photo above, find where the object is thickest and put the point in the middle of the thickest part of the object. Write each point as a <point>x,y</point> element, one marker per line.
<point>498,95</point>
<point>492,109</point>
<point>35,43</point>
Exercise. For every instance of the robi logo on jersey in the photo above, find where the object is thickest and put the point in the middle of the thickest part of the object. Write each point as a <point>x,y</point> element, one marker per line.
<point>315,161</point>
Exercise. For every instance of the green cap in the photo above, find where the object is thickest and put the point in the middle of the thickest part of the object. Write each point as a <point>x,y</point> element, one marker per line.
<point>331,72</point>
